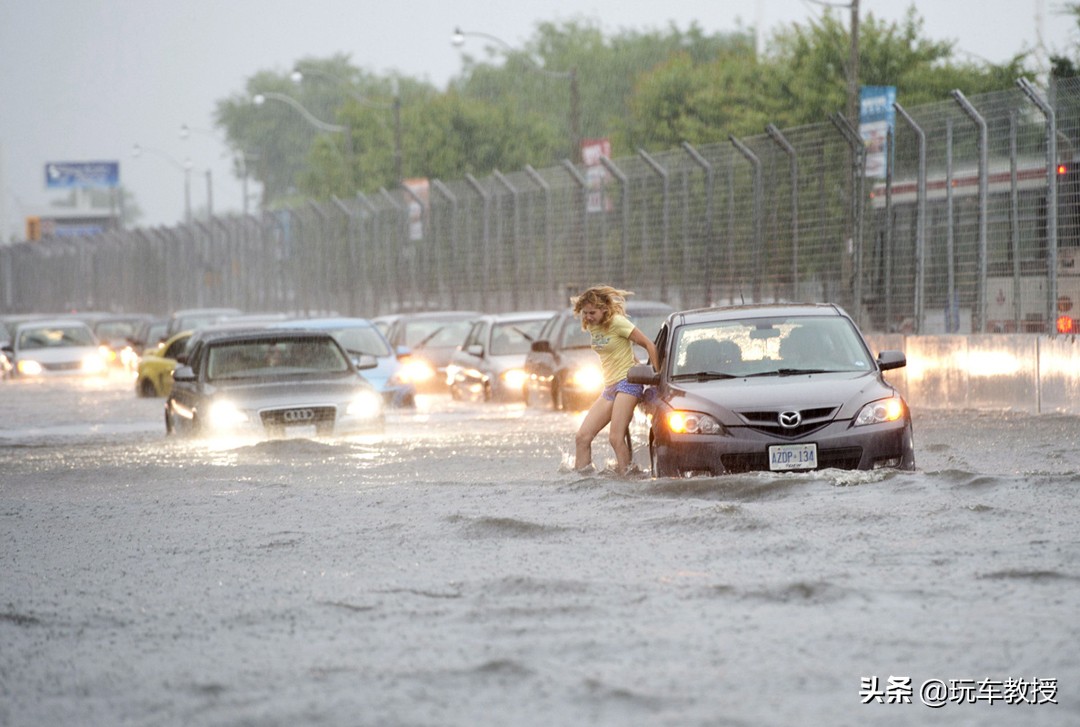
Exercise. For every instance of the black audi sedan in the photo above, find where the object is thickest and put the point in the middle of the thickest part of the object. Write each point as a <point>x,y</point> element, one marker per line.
<point>775,388</point>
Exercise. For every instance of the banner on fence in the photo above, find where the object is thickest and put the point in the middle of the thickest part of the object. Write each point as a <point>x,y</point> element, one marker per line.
<point>877,118</point>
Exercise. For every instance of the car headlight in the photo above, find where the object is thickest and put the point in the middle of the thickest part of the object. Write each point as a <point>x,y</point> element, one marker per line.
<point>93,364</point>
<point>588,378</point>
<point>417,371</point>
<point>514,378</point>
<point>692,422</point>
<point>29,367</point>
<point>884,410</point>
<point>366,404</point>
<point>226,415</point>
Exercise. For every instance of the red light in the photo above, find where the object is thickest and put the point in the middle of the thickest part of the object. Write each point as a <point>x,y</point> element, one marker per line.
<point>1062,169</point>
<point>1065,324</point>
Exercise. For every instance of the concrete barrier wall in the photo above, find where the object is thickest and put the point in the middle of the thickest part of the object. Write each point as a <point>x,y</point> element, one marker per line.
<point>1015,372</point>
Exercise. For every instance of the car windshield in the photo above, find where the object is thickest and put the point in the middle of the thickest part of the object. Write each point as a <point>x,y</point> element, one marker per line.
<point>236,360</point>
<point>363,340</point>
<point>116,329</point>
<point>514,338</point>
<point>54,337</point>
<point>767,346</point>
<point>433,334</point>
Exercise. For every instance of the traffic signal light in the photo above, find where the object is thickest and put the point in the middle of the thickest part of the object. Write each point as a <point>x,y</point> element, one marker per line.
<point>33,228</point>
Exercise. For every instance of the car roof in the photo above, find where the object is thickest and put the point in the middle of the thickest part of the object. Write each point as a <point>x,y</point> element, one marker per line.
<point>735,312</point>
<point>328,322</point>
<point>51,323</point>
<point>536,315</point>
<point>440,315</point>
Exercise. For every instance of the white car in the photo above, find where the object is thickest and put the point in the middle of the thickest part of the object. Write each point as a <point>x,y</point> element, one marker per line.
<point>490,364</point>
<point>57,347</point>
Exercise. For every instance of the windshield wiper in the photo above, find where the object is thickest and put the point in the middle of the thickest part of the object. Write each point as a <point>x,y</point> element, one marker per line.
<point>704,376</point>
<point>796,372</point>
<point>524,335</point>
<point>423,341</point>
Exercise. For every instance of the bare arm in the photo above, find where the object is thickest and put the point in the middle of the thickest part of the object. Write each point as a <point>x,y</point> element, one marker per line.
<point>636,336</point>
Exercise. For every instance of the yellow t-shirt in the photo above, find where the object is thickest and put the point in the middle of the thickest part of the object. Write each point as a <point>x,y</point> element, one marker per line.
<point>612,344</point>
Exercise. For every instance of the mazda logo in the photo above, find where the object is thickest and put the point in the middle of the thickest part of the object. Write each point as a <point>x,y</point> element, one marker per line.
<point>298,415</point>
<point>790,419</point>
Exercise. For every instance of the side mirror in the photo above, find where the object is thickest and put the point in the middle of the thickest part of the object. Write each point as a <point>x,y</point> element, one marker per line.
<point>542,346</point>
<point>891,360</point>
<point>402,352</point>
<point>365,361</point>
<point>643,374</point>
<point>183,373</point>
<point>475,350</point>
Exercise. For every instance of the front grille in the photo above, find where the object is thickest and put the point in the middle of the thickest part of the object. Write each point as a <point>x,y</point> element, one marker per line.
<point>768,421</point>
<point>843,458</point>
<point>321,417</point>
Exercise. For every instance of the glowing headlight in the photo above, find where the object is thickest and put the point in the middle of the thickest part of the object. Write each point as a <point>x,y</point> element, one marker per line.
<point>226,415</point>
<point>366,404</point>
<point>514,378</point>
<point>691,422</point>
<point>417,371</point>
<point>93,364</point>
<point>28,367</point>
<point>885,410</point>
<point>588,378</point>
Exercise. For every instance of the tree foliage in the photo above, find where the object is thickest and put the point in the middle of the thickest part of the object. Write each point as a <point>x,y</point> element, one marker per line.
<point>510,107</point>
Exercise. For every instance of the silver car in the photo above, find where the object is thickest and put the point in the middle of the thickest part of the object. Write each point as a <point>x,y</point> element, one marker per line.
<point>772,388</point>
<point>490,364</point>
<point>272,384</point>
<point>60,347</point>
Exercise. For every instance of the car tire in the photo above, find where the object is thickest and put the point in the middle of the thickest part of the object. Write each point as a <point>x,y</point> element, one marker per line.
<point>659,467</point>
<point>146,389</point>
<point>170,427</point>
<point>557,402</point>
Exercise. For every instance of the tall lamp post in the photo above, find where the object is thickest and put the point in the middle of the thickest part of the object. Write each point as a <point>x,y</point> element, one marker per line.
<point>260,98</point>
<point>137,151</point>
<point>458,40</point>
<point>395,106</point>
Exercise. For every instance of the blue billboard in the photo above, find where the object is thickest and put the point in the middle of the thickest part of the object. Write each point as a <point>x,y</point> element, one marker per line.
<point>877,119</point>
<point>68,175</point>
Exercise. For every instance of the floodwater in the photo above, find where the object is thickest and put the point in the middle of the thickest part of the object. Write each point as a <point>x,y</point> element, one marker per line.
<point>452,572</point>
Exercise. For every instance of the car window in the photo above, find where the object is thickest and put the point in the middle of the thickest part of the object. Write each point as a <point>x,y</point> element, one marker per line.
<point>436,333</point>
<point>234,360</point>
<point>572,336</point>
<point>366,340</point>
<point>514,338</point>
<point>176,347</point>
<point>55,336</point>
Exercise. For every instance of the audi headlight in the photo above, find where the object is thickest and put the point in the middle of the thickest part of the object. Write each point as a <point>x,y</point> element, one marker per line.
<point>226,415</point>
<point>884,410</point>
<point>514,378</point>
<point>366,404</point>
<point>587,378</point>
<point>692,422</point>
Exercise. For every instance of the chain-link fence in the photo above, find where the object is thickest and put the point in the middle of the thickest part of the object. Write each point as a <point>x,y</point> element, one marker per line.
<point>956,238</point>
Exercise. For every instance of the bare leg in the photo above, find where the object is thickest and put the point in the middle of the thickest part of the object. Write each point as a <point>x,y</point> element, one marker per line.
<point>622,412</point>
<point>597,418</point>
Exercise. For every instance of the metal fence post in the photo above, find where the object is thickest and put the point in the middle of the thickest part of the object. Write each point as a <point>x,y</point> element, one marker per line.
<point>549,241</point>
<point>624,225</point>
<point>858,176</point>
<point>920,220</point>
<point>583,186</point>
<point>443,190</point>
<point>665,222</point>
<point>1051,200</point>
<point>984,163</point>
<point>485,266</point>
<point>515,271</point>
<point>709,259</point>
<point>793,159</point>
<point>759,222</point>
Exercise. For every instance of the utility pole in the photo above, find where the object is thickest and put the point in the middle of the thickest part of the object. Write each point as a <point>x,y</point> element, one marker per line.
<point>853,67</point>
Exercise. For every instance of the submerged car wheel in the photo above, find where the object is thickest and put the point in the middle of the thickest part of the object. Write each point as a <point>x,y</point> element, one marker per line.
<point>146,389</point>
<point>170,428</point>
<point>658,466</point>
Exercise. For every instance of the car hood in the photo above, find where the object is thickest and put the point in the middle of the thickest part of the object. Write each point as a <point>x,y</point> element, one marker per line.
<point>58,354</point>
<point>289,392</point>
<point>847,390</point>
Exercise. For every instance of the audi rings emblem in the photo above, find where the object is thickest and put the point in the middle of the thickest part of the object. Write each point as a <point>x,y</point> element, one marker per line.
<point>292,416</point>
<point>790,419</point>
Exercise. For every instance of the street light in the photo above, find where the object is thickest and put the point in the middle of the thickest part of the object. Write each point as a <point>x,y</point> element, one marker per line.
<point>458,40</point>
<point>138,149</point>
<point>297,76</point>
<point>260,98</point>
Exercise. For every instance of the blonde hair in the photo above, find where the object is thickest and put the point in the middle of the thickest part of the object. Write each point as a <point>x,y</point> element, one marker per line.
<point>610,300</point>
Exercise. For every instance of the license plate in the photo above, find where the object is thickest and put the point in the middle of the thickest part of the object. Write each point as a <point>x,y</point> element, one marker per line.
<point>297,431</point>
<point>784,457</point>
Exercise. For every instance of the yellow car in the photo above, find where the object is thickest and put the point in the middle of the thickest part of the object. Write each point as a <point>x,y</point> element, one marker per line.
<point>154,374</point>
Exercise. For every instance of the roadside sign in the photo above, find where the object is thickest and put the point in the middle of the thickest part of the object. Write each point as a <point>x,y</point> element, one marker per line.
<point>66,175</point>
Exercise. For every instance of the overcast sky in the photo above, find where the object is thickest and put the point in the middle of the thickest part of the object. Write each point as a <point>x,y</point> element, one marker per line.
<point>84,80</point>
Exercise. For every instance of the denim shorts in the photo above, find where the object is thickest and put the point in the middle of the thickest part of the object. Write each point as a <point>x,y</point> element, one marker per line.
<point>624,387</point>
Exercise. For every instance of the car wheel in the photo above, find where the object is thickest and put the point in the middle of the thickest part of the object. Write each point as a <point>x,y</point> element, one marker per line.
<point>557,402</point>
<point>907,461</point>
<point>170,427</point>
<point>488,394</point>
<point>146,389</point>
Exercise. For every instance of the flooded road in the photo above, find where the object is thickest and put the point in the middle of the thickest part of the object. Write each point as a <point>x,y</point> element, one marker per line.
<point>451,572</point>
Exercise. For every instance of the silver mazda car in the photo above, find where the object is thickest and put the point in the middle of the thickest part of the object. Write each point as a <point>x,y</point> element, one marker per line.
<point>772,388</point>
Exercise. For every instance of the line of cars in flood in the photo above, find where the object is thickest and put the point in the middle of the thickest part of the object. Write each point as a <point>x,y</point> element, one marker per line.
<point>781,387</point>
